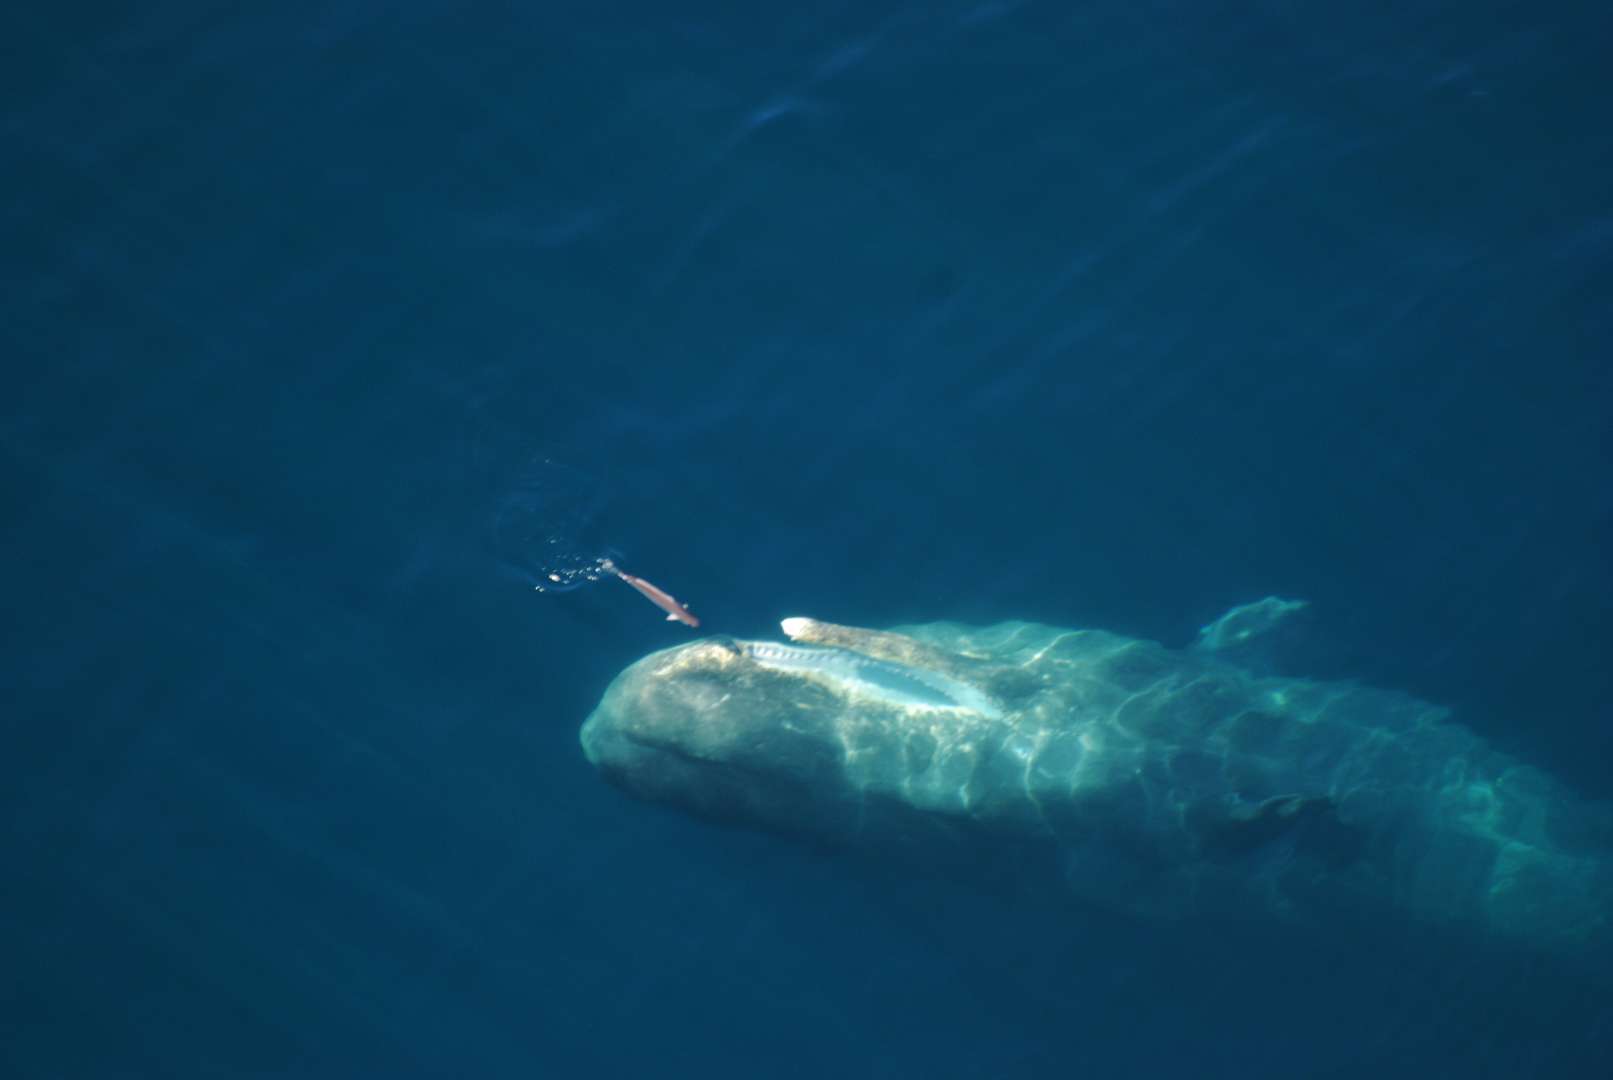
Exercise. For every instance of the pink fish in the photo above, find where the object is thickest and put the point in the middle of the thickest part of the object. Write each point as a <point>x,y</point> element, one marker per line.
<point>659,597</point>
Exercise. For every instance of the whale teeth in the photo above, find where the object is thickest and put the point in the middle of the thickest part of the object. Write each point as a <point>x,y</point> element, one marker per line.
<point>902,684</point>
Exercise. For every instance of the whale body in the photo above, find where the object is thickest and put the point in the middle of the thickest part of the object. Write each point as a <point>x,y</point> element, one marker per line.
<point>1171,784</point>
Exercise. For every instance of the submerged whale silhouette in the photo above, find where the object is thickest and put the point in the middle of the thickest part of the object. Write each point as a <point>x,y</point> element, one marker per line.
<point>1171,784</point>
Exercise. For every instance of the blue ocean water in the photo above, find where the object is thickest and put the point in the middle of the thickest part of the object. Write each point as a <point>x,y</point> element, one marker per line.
<point>333,330</point>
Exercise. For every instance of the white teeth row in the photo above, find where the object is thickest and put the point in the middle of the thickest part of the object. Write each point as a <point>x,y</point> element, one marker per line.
<point>897,682</point>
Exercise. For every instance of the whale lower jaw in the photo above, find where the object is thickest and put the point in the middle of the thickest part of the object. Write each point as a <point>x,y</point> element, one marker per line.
<point>856,675</point>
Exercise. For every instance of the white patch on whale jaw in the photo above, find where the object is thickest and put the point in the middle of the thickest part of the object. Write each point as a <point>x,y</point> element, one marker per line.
<point>897,684</point>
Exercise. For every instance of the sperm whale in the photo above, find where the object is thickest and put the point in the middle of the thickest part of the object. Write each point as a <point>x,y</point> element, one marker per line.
<point>1155,782</point>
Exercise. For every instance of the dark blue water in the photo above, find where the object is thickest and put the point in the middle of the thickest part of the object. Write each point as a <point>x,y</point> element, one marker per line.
<point>321,322</point>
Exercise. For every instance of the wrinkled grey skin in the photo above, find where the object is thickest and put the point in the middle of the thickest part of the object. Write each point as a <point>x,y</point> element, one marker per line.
<point>1170,784</point>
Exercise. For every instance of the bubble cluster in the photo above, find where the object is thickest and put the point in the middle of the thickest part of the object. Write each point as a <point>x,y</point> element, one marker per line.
<point>544,531</point>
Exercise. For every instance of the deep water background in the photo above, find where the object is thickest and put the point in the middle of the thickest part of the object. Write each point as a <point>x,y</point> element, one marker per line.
<point>321,322</point>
